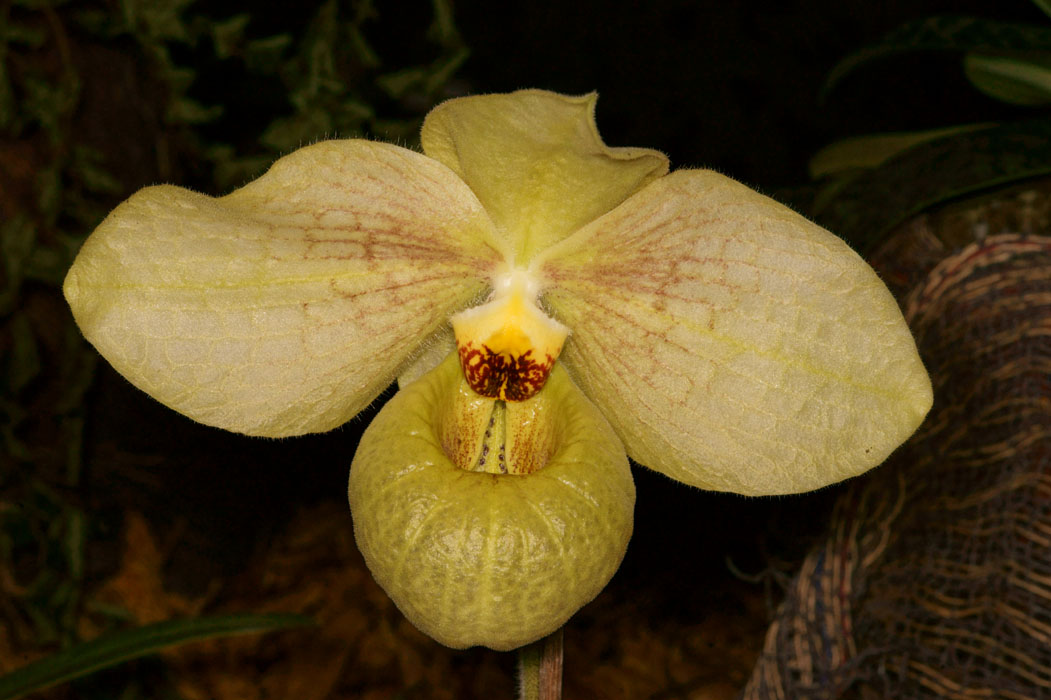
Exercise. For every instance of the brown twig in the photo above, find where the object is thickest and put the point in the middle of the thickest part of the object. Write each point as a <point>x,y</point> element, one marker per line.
<point>551,667</point>
<point>540,669</point>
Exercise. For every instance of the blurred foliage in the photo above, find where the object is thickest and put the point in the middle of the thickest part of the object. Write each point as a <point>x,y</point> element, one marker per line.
<point>99,98</point>
<point>869,184</point>
<point>117,647</point>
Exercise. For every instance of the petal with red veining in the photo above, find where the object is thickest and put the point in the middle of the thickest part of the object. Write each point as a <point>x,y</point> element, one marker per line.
<point>286,306</point>
<point>731,343</point>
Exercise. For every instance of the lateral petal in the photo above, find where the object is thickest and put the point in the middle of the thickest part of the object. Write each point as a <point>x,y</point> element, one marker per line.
<point>286,306</point>
<point>733,344</point>
<point>536,162</point>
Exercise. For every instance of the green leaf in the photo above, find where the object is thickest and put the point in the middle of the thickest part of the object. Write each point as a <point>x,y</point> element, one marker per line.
<point>187,111</point>
<point>50,191</point>
<point>265,55</point>
<point>33,37</point>
<point>37,4</point>
<point>871,150</point>
<point>73,543</point>
<point>157,19</point>
<point>88,166</point>
<point>43,623</point>
<point>443,29</point>
<point>13,415</point>
<point>399,82</point>
<point>24,360</point>
<point>424,79</point>
<point>50,264</point>
<point>934,172</point>
<point>77,372</point>
<point>1044,5</point>
<point>943,33</point>
<point>230,170</point>
<point>360,47</point>
<point>826,192</point>
<point>17,238</point>
<point>228,35</point>
<point>443,70</point>
<point>118,647</point>
<point>73,439</point>
<point>179,79</point>
<point>1014,79</point>
<point>289,133</point>
<point>7,99</point>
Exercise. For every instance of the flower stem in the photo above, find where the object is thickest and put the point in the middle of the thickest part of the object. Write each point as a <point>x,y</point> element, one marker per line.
<point>540,669</point>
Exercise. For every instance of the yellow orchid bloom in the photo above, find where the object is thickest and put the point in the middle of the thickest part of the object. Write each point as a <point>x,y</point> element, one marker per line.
<point>550,306</point>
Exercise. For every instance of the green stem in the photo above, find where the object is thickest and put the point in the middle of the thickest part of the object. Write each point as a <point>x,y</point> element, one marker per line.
<point>540,669</point>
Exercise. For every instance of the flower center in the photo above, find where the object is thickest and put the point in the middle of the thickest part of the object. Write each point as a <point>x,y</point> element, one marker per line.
<point>507,346</point>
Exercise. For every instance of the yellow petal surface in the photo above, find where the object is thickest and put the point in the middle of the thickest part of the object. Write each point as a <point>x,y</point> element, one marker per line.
<point>536,162</point>
<point>733,344</point>
<point>287,306</point>
<point>472,557</point>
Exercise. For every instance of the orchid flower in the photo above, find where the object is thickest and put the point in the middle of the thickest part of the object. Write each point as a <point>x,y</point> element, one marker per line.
<point>550,307</point>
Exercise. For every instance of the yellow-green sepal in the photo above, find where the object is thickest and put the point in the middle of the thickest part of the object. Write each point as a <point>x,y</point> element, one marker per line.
<point>474,558</point>
<point>536,162</point>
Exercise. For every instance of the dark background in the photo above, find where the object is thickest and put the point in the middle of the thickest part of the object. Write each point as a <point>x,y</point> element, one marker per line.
<point>728,85</point>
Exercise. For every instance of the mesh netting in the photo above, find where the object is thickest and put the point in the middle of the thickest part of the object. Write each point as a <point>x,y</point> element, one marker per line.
<point>934,580</point>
